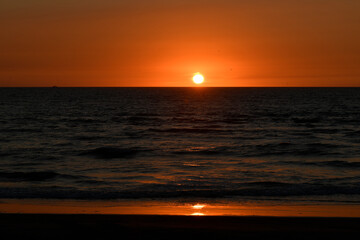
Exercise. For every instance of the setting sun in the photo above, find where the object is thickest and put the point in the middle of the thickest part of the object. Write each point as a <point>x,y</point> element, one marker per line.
<point>198,78</point>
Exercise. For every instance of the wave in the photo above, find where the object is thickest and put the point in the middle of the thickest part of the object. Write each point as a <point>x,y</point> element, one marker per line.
<point>256,189</point>
<point>234,120</point>
<point>293,149</point>
<point>147,114</point>
<point>21,130</point>
<point>32,176</point>
<point>335,163</point>
<point>189,130</point>
<point>113,152</point>
<point>353,133</point>
<point>4,154</point>
<point>140,119</point>
<point>87,137</point>
<point>267,150</point>
<point>204,151</point>
<point>307,120</point>
<point>84,120</point>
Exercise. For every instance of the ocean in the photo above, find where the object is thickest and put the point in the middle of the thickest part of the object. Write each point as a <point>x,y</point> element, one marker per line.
<point>284,145</point>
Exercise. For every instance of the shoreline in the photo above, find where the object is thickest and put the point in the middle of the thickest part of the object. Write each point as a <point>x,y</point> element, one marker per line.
<point>173,208</point>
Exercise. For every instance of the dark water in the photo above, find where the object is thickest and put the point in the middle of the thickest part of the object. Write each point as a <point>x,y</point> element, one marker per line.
<point>289,144</point>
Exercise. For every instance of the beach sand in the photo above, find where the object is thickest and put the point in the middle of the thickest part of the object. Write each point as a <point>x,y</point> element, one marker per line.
<point>60,226</point>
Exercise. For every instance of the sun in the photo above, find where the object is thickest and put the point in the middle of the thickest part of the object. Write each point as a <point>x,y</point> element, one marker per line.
<point>198,78</point>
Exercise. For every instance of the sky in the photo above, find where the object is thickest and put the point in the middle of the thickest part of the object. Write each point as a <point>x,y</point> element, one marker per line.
<point>162,43</point>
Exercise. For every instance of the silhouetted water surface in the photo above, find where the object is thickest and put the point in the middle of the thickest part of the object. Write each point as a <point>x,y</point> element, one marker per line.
<point>287,144</point>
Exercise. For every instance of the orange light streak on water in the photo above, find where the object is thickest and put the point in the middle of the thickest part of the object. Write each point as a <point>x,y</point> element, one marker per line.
<point>167,208</point>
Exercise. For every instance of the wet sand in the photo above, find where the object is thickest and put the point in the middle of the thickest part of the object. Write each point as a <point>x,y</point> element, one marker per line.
<point>152,207</point>
<point>60,226</point>
<point>59,219</point>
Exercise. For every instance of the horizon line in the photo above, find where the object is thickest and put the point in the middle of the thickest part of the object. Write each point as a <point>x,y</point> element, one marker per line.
<point>179,86</point>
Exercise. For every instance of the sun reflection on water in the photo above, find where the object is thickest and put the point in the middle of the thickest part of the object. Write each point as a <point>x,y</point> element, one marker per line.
<point>198,214</point>
<point>175,209</point>
<point>199,206</point>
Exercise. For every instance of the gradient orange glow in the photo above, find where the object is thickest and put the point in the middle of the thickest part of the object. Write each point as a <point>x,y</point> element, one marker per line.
<point>161,43</point>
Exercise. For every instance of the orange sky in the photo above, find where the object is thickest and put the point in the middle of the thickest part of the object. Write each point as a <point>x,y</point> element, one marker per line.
<point>162,42</point>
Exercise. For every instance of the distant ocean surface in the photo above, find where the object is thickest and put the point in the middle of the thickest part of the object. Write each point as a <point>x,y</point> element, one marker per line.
<point>181,144</point>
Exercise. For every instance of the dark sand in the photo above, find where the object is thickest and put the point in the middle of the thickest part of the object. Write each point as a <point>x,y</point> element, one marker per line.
<point>56,226</point>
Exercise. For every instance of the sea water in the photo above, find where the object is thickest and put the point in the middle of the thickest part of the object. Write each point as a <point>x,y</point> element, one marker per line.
<point>181,144</point>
